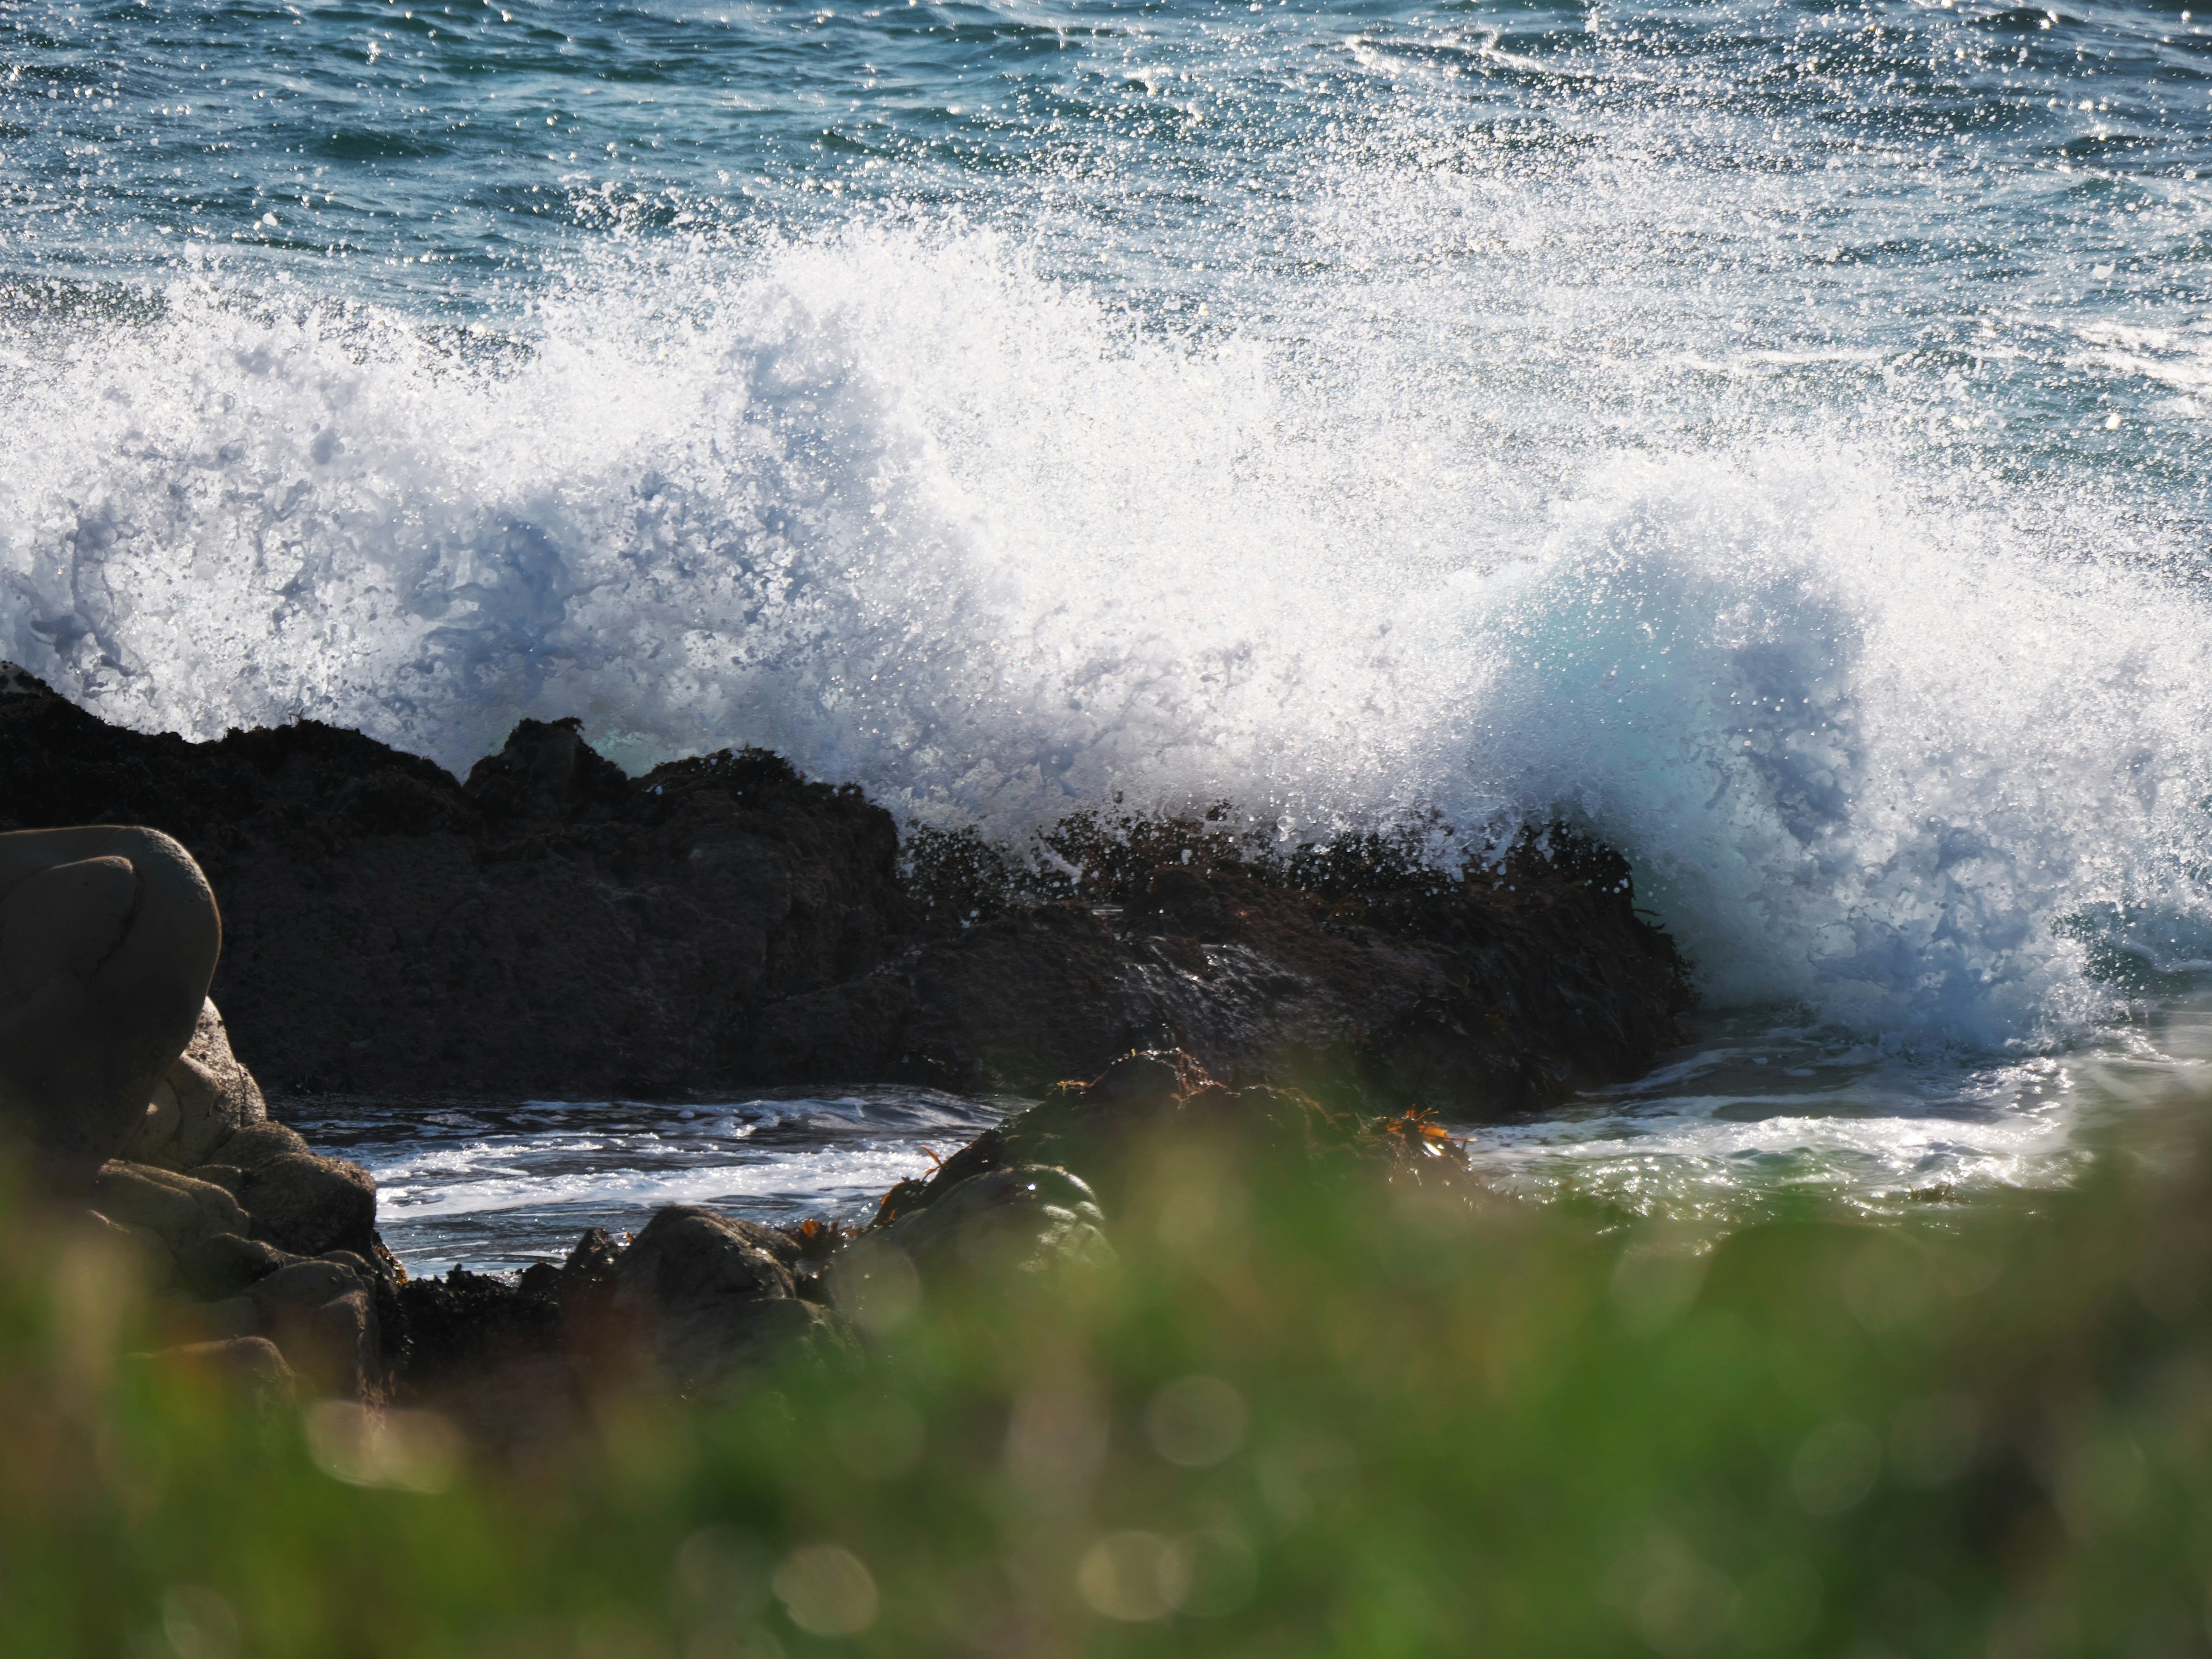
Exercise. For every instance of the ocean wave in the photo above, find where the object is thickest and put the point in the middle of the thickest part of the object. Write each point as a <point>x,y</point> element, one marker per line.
<point>884,498</point>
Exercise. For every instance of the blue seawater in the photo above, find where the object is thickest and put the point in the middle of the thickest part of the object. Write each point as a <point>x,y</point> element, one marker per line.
<point>1771,433</point>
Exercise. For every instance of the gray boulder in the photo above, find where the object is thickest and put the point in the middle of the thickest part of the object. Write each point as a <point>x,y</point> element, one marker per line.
<point>180,1212</point>
<point>322,1315</point>
<point>300,1201</point>
<point>202,1101</point>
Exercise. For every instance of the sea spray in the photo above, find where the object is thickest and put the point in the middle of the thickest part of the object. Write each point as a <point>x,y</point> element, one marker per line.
<point>889,500</point>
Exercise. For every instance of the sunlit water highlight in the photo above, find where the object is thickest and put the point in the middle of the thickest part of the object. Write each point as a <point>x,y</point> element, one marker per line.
<point>496,1188</point>
<point>1769,433</point>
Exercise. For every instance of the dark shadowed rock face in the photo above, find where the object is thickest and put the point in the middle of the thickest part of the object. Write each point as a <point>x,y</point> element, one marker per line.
<point>1488,994</point>
<point>552,926</point>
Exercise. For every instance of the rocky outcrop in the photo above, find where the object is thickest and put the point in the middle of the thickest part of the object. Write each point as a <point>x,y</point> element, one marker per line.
<point>548,926</point>
<point>108,936</point>
<point>1029,1217</point>
<point>553,928</point>
<point>256,1237</point>
<point>716,1298</point>
<point>203,1099</point>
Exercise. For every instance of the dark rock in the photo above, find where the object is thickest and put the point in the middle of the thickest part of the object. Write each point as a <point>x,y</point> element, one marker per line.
<point>226,1264</point>
<point>252,1362</point>
<point>547,777</point>
<point>108,936</point>
<point>552,928</point>
<point>1030,1217</point>
<point>555,928</point>
<point>309,1205</point>
<point>304,1284</point>
<point>687,1255</point>
<point>714,1296</point>
<point>744,1341</point>
<point>467,1325</point>
<point>586,1290</point>
<point>592,1259</point>
<point>1098,1134</point>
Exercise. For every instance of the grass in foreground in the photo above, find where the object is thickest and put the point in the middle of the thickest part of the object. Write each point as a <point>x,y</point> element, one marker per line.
<point>1354,1417</point>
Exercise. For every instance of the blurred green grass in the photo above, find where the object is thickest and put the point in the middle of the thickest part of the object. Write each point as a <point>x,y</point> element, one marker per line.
<point>1300,1415</point>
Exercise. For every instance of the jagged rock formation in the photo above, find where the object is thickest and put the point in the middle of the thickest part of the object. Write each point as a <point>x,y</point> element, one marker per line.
<point>552,927</point>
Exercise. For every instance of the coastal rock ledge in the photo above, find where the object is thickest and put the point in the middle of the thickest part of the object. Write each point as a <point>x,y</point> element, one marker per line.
<point>553,928</point>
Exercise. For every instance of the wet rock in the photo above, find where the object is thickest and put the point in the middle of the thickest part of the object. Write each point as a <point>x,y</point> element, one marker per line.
<point>1030,1217</point>
<point>555,928</point>
<point>714,1297</point>
<point>1175,899</point>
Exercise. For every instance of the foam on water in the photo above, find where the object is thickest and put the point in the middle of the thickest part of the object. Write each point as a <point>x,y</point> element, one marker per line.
<point>1876,735</point>
<point>1768,433</point>
<point>496,1188</point>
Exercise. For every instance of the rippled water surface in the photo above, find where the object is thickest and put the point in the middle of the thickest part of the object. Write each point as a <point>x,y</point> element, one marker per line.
<point>1768,433</point>
<point>494,1187</point>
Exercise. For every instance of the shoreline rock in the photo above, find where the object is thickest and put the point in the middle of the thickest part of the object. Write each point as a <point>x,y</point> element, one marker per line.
<point>552,928</point>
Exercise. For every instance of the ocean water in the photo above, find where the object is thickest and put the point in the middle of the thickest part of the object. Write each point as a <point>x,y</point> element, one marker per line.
<point>1772,434</point>
<point>494,1187</point>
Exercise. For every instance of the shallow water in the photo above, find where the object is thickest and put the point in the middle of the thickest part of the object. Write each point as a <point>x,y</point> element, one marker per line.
<point>1758,1117</point>
<point>1769,433</point>
<point>497,1187</point>
<point>1755,1118</point>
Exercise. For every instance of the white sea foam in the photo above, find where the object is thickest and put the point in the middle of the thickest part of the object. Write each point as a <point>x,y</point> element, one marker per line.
<point>1871,729</point>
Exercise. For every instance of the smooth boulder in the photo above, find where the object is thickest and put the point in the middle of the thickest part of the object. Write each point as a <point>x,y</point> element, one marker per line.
<point>180,1212</point>
<point>108,940</point>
